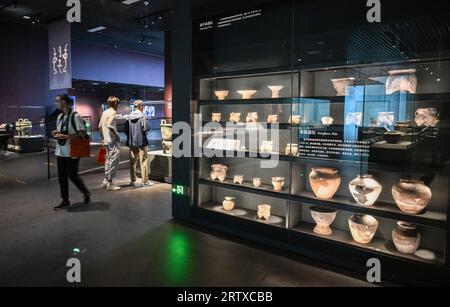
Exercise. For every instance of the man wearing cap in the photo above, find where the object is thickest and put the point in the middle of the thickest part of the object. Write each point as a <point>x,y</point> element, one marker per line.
<point>136,130</point>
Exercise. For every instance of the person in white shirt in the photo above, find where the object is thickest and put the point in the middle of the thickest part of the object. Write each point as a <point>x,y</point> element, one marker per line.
<point>111,140</point>
<point>69,125</point>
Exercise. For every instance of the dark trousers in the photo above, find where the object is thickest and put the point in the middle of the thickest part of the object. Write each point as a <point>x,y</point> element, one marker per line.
<point>68,169</point>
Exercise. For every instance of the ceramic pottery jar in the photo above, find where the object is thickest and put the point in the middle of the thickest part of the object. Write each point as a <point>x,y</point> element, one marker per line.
<point>363,228</point>
<point>257,182</point>
<point>291,150</point>
<point>365,190</point>
<point>247,94</point>
<point>235,118</point>
<point>272,119</point>
<point>354,119</point>
<point>238,179</point>
<point>401,80</point>
<point>219,171</point>
<point>264,212</point>
<point>411,196</point>
<point>341,85</point>
<point>324,182</point>
<point>406,238</point>
<point>252,117</point>
<point>216,117</point>
<point>295,120</point>
<point>278,183</point>
<point>228,203</point>
<point>385,119</point>
<point>221,95</point>
<point>327,121</point>
<point>276,89</point>
<point>266,147</point>
<point>427,117</point>
<point>324,218</point>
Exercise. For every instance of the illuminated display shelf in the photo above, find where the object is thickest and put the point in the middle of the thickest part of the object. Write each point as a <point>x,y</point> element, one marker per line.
<point>381,209</point>
<point>376,245</point>
<point>371,166</point>
<point>256,101</point>
<point>244,213</point>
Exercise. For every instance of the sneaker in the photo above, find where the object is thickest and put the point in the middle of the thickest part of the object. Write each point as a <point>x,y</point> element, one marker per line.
<point>63,205</point>
<point>148,184</point>
<point>134,185</point>
<point>87,199</point>
<point>105,184</point>
<point>112,187</point>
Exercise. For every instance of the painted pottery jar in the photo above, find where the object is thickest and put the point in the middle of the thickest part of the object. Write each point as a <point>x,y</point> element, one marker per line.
<point>324,182</point>
<point>363,228</point>
<point>365,190</point>
<point>411,196</point>
<point>229,203</point>
<point>428,117</point>
<point>406,238</point>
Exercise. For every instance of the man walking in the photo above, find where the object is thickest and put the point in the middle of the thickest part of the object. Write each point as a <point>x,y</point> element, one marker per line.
<point>111,140</point>
<point>70,125</point>
<point>136,129</point>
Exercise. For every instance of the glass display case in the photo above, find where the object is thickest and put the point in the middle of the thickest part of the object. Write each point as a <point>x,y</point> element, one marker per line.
<point>342,156</point>
<point>355,155</point>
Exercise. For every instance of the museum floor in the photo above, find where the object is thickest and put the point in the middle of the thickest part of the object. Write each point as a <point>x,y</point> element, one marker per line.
<point>127,238</point>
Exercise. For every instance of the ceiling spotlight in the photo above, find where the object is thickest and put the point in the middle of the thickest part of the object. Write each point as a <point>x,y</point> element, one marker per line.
<point>438,79</point>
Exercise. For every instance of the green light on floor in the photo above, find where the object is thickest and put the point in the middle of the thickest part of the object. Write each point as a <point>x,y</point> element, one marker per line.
<point>178,258</point>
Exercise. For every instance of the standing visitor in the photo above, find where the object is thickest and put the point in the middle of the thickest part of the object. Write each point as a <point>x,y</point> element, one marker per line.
<point>136,128</point>
<point>111,140</point>
<point>69,125</point>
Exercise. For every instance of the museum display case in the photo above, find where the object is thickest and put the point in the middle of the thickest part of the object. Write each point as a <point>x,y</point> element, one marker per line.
<point>339,159</point>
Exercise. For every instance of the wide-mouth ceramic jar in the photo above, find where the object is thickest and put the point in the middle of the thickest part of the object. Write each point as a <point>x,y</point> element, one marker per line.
<point>278,183</point>
<point>221,95</point>
<point>411,196</point>
<point>276,89</point>
<point>247,94</point>
<point>401,80</point>
<point>363,228</point>
<point>324,218</point>
<point>324,182</point>
<point>341,85</point>
<point>365,190</point>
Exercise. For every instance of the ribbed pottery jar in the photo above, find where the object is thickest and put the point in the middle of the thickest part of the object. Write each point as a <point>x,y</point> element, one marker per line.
<point>365,190</point>
<point>411,196</point>
<point>324,182</point>
<point>406,238</point>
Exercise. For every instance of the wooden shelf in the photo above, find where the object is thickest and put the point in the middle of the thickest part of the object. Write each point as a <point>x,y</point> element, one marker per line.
<point>243,213</point>
<point>377,245</point>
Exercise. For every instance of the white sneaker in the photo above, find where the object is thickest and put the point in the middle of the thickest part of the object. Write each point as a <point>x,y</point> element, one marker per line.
<point>105,184</point>
<point>134,185</point>
<point>148,184</point>
<point>113,188</point>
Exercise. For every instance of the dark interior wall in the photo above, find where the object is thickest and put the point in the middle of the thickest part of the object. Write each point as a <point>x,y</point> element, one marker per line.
<point>92,62</point>
<point>23,71</point>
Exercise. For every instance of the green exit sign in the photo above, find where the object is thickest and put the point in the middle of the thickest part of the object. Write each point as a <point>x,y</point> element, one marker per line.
<point>180,190</point>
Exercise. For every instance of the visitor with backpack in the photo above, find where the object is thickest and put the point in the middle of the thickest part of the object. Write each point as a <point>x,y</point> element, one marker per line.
<point>136,129</point>
<point>70,126</point>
